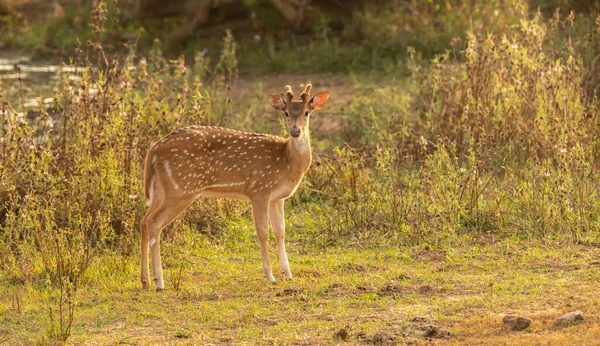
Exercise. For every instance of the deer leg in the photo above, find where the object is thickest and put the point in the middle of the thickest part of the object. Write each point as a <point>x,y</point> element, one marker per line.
<point>260,211</point>
<point>278,223</point>
<point>144,250</point>
<point>163,216</point>
<point>144,243</point>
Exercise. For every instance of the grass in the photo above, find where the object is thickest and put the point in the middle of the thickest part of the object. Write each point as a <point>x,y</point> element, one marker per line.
<point>222,298</point>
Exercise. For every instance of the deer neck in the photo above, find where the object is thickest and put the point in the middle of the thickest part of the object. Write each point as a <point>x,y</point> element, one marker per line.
<point>299,153</point>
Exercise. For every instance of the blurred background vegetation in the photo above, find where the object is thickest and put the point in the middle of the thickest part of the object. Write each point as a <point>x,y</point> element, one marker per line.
<point>449,120</point>
<point>276,35</point>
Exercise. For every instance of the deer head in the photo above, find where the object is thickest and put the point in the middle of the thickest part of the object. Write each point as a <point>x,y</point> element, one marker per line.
<point>297,112</point>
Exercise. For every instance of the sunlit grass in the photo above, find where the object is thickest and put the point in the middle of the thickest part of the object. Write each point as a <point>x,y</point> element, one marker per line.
<point>223,298</point>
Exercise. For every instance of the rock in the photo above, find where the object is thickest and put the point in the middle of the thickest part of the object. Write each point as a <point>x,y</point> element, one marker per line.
<point>574,317</point>
<point>515,322</point>
<point>341,334</point>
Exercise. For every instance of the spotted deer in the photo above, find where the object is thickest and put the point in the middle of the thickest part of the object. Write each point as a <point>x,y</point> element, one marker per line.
<point>222,163</point>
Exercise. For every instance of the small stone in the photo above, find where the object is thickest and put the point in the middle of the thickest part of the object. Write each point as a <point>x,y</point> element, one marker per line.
<point>341,334</point>
<point>515,323</point>
<point>574,317</point>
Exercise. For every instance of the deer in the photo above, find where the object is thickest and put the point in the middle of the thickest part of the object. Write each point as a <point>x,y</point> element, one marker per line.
<point>217,162</point>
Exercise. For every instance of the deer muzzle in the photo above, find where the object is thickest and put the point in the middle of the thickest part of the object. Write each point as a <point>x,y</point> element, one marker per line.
<point>295,132</point>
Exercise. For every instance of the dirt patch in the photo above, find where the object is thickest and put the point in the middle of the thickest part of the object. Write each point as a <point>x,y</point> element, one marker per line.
<point>341,334</point>
<point>426,289</point>
<point>365,289</point>
<point>309,273</point>
<point>351,267</point>
<point>289,292</point>
<point>429,256</point>
<point>393,288</point>
<point>417,328</point>
<point>337,290</point>
<point>385,290</point>
<point>383,337</point>
<point>423,327</point>
<point>268,322</point>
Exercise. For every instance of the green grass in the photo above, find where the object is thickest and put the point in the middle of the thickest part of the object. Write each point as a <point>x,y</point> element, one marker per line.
<point>222,298</point>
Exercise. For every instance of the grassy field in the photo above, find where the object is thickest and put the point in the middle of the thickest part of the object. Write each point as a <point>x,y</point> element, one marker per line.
<point>365,291</point>
<point>216,295</point>
<point>455,181</point>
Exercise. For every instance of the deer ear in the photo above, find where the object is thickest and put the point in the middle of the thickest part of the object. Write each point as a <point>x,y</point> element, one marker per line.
<point>277,102</point>
<point>319,100</point>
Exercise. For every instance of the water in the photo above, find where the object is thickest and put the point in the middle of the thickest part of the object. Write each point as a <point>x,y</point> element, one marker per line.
<point>29,85</point>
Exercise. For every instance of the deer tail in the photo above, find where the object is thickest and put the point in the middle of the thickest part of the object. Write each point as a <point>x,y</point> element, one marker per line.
<point>149,176</point>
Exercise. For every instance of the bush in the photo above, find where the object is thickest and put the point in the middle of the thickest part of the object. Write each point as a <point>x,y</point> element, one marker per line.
<point>504,143</point>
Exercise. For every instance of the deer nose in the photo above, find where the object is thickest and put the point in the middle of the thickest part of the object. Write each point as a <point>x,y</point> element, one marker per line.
<point>295,132</point>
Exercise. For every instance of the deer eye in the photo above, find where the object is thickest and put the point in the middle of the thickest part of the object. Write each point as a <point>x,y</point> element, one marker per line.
<point>285,113</point>
<point>306,113</point>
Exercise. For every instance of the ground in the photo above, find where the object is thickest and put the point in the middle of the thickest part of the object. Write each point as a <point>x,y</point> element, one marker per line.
<point>216,295</point>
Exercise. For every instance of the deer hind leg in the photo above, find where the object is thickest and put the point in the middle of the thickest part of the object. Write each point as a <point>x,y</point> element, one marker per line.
<point>156,221</point>
<point>278,223</point>
<point>144,244</point>
<point>260,211</point>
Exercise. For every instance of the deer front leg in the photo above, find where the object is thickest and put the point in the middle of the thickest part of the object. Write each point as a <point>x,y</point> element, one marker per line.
<point>278,223</point>
<point>260,211</point>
